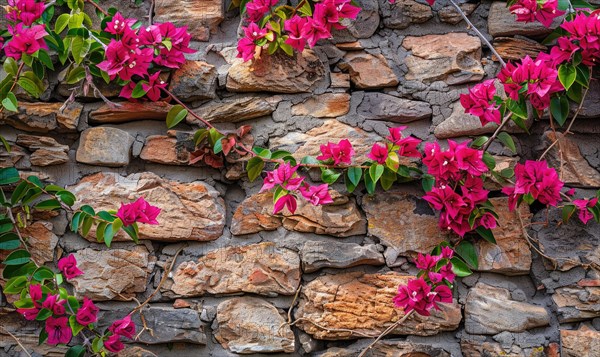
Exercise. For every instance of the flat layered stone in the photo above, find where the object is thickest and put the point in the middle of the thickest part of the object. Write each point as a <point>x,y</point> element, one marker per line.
<point>591,103</point>
<point>169,325</point>
<point>41,241</point>
<point>165,149</point>
<point>28,335</point>
<point>403,13</point>
<point>130,111</point>
<point>368,71</point>
<point>502,23</point>
<point>511,255</point>
<point>115,274</point>
<point>46,150</point>
<point>478,349</point>
<point>308,143</point>
<point>403,222</point>
<point>379,106</point>
<point>194,80</point>
<point>577,303</point>
<point>43,117</point>
<point>362,302</point>
<point>340,80</point>
<point>490,310</point>
<point>514,49</point>
<point>201,17</point>
<point>342,218</point>
<point>449,14</point>
<point>568,244</point>
<point>189,211</point>
<point>262,268</point>
<point>10,159</point>
<point>278,73</point>
<point>247,325</point>
<point>316,255</point>
<point>453,58</point>
<point>235,109</point>
<point>387,348</point>
<point>366,22</point>
<point>584,342</point>
<point>328,105</point>
<point>573,169</point>
<point>104,146</point>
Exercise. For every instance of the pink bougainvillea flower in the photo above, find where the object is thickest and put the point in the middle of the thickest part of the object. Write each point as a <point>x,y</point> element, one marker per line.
<point>583,207</point>
<point>58,330</point>
<point>426,262</point>
<point>150,35</point>
<point>378,154</point>
<point>468,159</point>
<point>317,195</point>
<point>154,86</point>
<point>414,296</point>
<point>137,63</point>
<point>139,211</point>
<point>531,10</point>
<point>288,201</point>
<point>541,181</point>
<point>440,293</point>
<point>294,28</point>
<point>315,30</point>
<point>124,327</point>
<point>473,190</point>
<point>26,40</point>
<point>480,102</point>
<point>346,10</point>
<point>487,220</point>
<point>87,313</point>
<point>570,192</point>
<point>447,252</point>
<point>447,272</point>
<point>256,9</point>
<point>395,134</point>
<point>246,49</point>
<point>116,56</point>
<point>444,198</point>
<point>408,147</point>
<point>68,266</point>
<point>114,344</point>
<point>341,152</point>
<point>118,24</point>
<point>26,11</point>
<point>284,175</point>
<point>57,307</point>
<point>513,198</point>
<point>35,293</point>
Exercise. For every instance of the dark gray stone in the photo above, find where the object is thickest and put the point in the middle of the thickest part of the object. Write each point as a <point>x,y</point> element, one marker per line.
<point>403,13</point>
<point>379,106</point>
<point>316,255</point>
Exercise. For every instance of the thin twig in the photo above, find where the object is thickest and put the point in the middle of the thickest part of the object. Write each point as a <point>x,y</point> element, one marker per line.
<point>388,330</point>
<point>500,127</point>
<point>568,131</point>
<point>162,281</point>
<point>150,13</point>
<point>481,36</point>
<point>17,340</point>
<point>98,7</point>
<point>351,332</point>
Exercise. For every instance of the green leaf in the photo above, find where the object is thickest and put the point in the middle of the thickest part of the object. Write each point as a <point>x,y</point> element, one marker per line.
<point>479,142</point>
<point>507,140</point>
<point>388,178</point>
<point>73,303</point>
<point>489,161</point>
<point>176,114</point>
<point>309,160</point>
<point>329,176</point>
<point>75,75</point>
<point>30,85</point>
<point>460,268</point>
<point>15,285</point>
<point>43,337</point>
<point>567,212</point>
<point>583,75</point>
<point>88,209</point>
<point>11,271</point>
<point>50,204</point>
<point>109,233</point>
<point>10,102</point>
<point>132,232</point>
<point>106,216</point>
<point>254,167</point>
<point>100,231</point>
<point>427,182</point>
<point>262,152</point>
<point>138,90</point>
<point>43,314</point>
<point>10,66</point>
<point>559,107</point>
<point>375,171</point>
<point>9,241</point>
<point>88,221</point>
<point>369,184</point>
<point>354,174</point>
<point>18,257</point>
<point>43,273</point>
<point>75,351</point>
<point>45,59</point>
<point>80,48</point>
<point>466,250</point>
<point>75,326</point>
<point>97,345</point>
<point>66,197</point>
<point>9,175</point>
<point>486,234</point>
<point>567,74</point>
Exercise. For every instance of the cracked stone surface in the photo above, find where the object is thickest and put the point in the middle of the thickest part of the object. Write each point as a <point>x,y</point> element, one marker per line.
<point>361,302</point>
<point>263,269</point>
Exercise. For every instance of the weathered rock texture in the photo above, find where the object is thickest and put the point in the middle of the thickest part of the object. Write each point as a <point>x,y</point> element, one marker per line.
<point>104,146</point>
<point>258,268</point>
<point>189,211</point>
<point>490,310</point>
<point>251,325</point>
<point>369,71</point>
<point>361,302</point>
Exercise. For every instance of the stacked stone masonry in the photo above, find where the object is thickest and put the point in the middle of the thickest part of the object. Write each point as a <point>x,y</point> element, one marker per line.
<point>239,268</point>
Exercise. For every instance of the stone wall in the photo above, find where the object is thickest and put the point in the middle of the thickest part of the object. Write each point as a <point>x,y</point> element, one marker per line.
<point>237,267</point>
